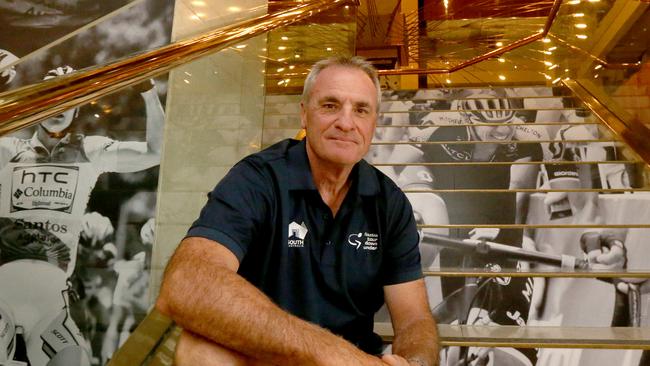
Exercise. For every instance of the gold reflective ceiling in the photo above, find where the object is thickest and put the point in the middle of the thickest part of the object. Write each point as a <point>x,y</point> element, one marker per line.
<point>443,35</point>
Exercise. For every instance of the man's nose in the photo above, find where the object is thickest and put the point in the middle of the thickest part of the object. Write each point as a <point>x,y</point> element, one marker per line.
<point>345,120</point>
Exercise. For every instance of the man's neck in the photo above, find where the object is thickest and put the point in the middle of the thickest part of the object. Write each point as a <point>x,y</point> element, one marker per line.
<point>48,140</point>
<point>484,152</point>
<point>332,180</point>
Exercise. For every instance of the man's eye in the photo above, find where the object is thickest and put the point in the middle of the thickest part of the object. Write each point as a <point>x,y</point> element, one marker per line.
<point>363,111</point>
<point>329,106</point>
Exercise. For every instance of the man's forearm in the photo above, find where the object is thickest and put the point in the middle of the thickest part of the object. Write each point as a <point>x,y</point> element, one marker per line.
<point>418,342</point>
<point>220,305</point>
<point>155,120</point>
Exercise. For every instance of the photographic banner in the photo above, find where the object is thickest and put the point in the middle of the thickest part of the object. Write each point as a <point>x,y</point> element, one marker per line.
<point>78,191</point>
<point>512,170</point>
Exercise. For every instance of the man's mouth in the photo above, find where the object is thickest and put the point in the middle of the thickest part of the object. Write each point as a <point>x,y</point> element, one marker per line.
<point>502,135</point>
<point>342,139</point>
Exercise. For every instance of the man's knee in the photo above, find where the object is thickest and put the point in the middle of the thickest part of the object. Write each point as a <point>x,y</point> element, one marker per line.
<point>195,350</point>
<point>72,355</point>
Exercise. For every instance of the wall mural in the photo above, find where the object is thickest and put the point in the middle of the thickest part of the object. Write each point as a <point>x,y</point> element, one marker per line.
<point>78,191</point>
<point>435,145</point>
<point>27,25</point>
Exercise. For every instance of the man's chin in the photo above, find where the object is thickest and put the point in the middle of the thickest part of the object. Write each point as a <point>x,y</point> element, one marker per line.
<point>54,128</point>
<point>340,153</point>
<point>349,158</point>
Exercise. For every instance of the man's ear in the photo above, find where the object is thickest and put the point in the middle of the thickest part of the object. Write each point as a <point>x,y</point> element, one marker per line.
<point>303,115</point>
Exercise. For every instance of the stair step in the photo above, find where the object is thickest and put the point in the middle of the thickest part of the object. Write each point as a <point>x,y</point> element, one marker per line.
<point>540,271</point>
<point>555,124</point>
<point>495,163</point>
<point>526,190</point>
<point>535,336</point>
<point>584,141</point>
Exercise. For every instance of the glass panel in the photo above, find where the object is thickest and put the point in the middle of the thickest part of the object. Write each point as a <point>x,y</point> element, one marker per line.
<point>457,31</point>
<point>27,25</point>
<point>293,49</point>
<point>193,17</point>
<point>84,186</point>
<point>141,26</point>
<point>144,25</point>
<point>77,210</point>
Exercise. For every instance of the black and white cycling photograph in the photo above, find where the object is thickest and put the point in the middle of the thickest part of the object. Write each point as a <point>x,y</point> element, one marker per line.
<point>78,191</point>
<point>27,25</point>
<point>517,179</point>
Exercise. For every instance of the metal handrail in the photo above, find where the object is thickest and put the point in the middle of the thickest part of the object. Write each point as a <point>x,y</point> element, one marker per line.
<point>28,105</point>
<point>633,132</point>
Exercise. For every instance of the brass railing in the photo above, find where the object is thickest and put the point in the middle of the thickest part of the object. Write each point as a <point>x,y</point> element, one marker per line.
<point>26,106</point>
<point>631,131</point>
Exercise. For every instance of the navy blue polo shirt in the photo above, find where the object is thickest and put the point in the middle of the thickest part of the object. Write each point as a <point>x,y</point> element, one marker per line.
<point>324,269</point>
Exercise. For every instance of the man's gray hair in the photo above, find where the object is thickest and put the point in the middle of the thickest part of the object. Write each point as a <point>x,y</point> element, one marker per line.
<point>355,62</point>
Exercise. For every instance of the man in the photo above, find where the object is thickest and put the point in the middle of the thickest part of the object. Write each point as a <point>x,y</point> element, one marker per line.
<point>45,183</point>
<point>300,244</point>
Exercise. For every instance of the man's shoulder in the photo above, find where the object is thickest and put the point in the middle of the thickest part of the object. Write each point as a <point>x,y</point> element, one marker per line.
<point>12,145</point>
<point>267,157</point>
<point>268,163</point>
<point>12,141</point>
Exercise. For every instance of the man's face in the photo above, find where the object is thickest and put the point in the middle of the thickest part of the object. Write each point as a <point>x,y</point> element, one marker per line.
<point>491,133</point>
<point>340,116</point>
<point>59,123</point>
<point>490,115</point>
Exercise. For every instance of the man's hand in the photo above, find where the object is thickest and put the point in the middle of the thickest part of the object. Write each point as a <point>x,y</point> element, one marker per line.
<point>608,258</point>
<point>605,249</point>
<point>395,360</point>
<point>96,228</point>
<point>624,286</point>
<point>484,233</point>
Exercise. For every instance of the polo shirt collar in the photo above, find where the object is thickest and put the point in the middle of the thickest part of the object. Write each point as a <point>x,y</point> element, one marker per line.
<point>36,142</point>
<point>366,174</point>
<point>301,178</point>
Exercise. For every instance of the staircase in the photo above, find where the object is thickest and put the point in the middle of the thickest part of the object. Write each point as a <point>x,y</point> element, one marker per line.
<point>528,167</point>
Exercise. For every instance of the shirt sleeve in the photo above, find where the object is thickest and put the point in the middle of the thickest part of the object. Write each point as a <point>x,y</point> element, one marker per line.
<point>236,211</point>
<point>8,149</point>
<point>100,150</point>
<point>402,259</point>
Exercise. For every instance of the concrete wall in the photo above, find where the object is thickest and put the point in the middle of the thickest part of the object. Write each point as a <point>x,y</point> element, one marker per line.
<point>214,118</point>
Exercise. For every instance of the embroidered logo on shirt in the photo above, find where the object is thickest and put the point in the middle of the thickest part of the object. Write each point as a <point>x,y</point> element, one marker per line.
<point>297,234</point>
<point>365,241</point>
